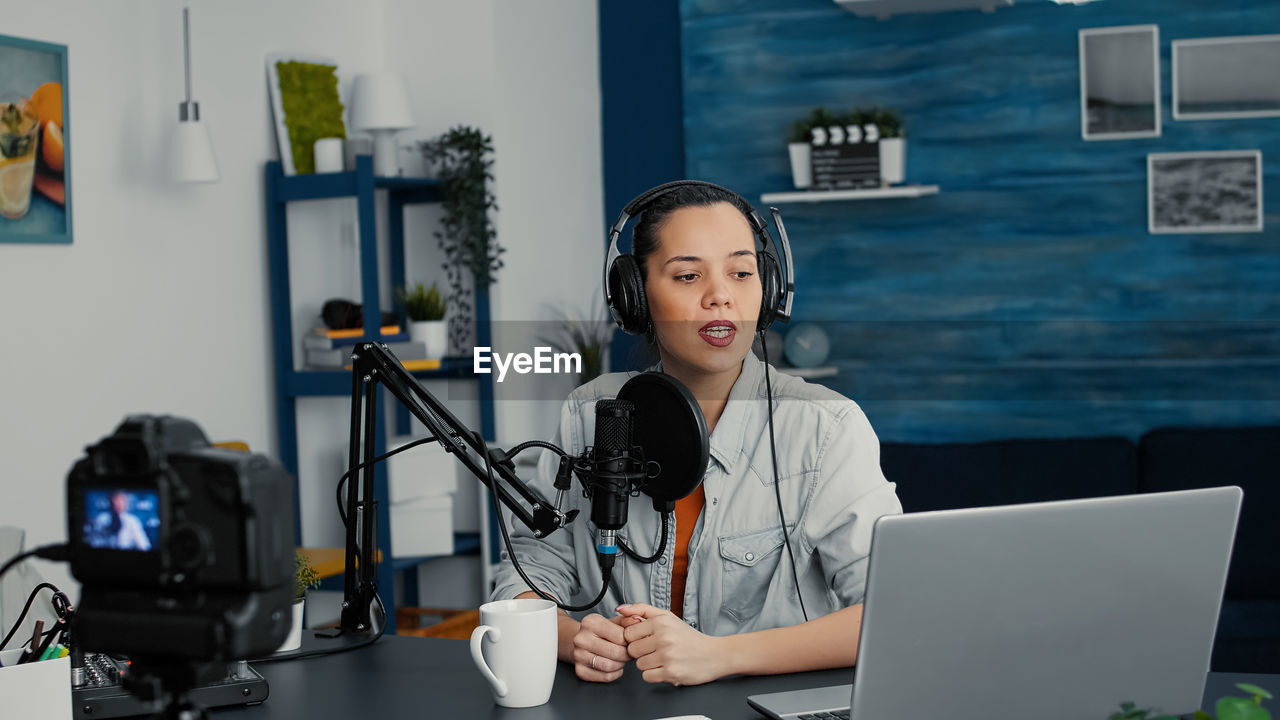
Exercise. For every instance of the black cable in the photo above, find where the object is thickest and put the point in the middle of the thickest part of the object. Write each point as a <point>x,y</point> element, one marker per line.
<point>17,559</point>
<point>493,494</point>
<point>60,607</point>
<point>342,511</point>
<point>606,573</point>
<point>60,553</point>
<point>532,444</point>
<point>333,650</point>
<point>662,544</point>
<point>777,482</point>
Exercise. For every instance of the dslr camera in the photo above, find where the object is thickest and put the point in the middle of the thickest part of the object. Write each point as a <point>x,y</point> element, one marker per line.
<point>184,551</point>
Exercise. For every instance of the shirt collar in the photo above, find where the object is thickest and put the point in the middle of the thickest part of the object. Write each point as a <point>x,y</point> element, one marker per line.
<point>731,429</point>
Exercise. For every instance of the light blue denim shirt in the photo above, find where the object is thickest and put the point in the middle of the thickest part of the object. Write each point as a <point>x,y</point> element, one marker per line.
<point>738,577</point>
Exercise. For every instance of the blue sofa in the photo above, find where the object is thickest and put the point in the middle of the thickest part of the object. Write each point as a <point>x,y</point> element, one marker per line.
<point>956,475</point>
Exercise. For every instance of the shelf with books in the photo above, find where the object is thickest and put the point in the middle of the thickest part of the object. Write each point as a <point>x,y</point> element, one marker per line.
<point>325,339</point>
<point>319,353</point>
<point>293,382</point>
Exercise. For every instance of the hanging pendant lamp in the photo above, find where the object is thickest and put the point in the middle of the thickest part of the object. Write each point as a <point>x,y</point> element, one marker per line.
<point>193,159</point>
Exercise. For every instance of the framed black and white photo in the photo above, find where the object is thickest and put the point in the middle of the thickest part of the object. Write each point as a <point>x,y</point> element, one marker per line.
<point>1204,192</point>
<point>1120,82</point>
<point>1226,77</point>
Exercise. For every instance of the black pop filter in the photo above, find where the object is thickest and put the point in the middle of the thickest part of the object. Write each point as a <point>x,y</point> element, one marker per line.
<point>670,427</point>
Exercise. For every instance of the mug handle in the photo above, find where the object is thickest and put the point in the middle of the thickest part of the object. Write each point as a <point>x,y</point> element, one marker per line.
<point>477,635</point>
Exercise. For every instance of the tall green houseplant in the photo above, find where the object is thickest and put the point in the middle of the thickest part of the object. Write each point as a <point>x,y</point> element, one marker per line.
<point>463,156</point>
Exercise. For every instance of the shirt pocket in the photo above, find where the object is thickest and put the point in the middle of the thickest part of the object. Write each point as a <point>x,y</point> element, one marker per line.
<point>749,562</point>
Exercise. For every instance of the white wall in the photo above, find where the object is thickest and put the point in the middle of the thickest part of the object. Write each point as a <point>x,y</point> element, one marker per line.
<point>161,304</point>
<point>550,187</point>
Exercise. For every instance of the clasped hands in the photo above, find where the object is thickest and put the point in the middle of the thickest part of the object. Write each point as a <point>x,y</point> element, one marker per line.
<point>662,645</point>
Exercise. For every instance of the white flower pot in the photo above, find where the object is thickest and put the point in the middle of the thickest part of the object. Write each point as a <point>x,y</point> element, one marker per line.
<point>432,333</point>
<point>294,640</point>
<point>893,160</point>
<point>801,164</point>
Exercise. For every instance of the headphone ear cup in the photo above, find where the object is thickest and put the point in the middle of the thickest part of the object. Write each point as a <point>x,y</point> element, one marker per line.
<point>630,308</point>
<point>771,286</point>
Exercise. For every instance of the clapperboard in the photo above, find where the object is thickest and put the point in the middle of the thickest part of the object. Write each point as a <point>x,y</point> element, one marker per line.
<point>845,156</point>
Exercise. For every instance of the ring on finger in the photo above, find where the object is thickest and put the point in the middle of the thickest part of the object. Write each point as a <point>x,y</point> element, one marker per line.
<point>593,663</point>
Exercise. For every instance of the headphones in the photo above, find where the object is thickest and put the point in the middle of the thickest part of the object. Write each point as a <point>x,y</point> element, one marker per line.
<point>624,283</point>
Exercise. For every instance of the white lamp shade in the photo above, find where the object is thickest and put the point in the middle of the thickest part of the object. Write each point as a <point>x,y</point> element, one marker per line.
<point>380,102</point>
<point>193,156</point>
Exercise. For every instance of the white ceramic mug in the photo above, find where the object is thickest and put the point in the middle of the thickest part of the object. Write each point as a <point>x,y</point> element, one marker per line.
<point>515,649</point>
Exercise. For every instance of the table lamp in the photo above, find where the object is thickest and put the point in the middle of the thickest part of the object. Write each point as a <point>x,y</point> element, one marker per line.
<point>380,105</point>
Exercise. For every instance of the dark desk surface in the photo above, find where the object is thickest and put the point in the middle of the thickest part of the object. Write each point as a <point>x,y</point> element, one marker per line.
<point>405,677</point>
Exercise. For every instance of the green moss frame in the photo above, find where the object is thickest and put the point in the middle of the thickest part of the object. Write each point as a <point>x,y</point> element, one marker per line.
<point>311,107</point>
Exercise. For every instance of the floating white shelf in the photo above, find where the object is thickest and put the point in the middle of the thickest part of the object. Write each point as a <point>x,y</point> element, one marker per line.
<point>899,191</point>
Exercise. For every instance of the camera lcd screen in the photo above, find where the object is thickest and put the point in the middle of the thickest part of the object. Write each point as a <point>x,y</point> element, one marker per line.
<point>121,519</point>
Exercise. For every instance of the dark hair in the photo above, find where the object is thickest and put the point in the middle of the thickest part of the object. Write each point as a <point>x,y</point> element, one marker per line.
<point>644,235</point>
<point>644,238</point>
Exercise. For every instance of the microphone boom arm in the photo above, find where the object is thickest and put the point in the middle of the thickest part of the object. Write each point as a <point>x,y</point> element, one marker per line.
<point>373,365</point>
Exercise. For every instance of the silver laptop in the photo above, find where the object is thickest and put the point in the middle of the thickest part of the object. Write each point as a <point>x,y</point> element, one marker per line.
<point>1058,610</point>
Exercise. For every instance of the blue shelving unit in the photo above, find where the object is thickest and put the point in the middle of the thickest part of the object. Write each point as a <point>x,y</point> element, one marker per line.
<point>291,384</point>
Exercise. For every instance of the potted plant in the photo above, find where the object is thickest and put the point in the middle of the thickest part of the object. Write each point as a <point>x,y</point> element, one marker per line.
<point>304,577</point>
<point>586,337</point>
<point>425,309</point>
<point>860,126</point>
<point>799,147</point>
<point>893,146</point>
<point>463,163</point>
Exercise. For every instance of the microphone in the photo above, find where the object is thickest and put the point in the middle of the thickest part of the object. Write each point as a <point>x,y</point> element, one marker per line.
<point>612,475</point>
<point>651,439</point>
<point>671,430</point>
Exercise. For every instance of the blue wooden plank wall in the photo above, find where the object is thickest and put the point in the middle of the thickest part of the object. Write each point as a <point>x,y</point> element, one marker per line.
<point>641,125</point>
<point>1027,299</point>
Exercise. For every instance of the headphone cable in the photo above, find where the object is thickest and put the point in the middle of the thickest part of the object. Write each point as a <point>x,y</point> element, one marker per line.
<point>777,482</point>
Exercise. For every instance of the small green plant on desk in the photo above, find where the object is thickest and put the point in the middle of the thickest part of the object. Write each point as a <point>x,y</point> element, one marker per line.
<point>1228,708</point>
<point>304,576</point>
<point>422,304</point>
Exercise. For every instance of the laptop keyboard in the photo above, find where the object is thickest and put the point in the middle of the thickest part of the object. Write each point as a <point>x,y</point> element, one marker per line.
<point>826,715</point>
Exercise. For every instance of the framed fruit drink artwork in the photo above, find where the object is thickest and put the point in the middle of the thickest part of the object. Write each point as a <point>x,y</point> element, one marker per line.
<point>35,148</point>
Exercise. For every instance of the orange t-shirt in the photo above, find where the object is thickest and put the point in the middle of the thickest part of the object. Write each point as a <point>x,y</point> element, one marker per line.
<point>687,511</point>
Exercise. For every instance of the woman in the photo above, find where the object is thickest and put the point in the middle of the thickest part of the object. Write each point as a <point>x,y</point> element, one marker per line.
<point>722,599</point>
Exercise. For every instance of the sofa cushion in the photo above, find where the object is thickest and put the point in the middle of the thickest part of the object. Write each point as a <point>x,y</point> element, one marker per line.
<point>1186,458</point>
<point>946,476</point>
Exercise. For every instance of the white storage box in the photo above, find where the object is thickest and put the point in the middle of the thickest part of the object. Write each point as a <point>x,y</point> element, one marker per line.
<point>423,471</point>
<point>422,526</point>
<point>34,690</point>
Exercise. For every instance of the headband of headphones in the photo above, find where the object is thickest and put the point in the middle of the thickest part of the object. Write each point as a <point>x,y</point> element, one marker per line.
<point>781,249</point>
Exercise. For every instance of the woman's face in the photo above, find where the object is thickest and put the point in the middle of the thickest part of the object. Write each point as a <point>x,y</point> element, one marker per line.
<point>703,291</point>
